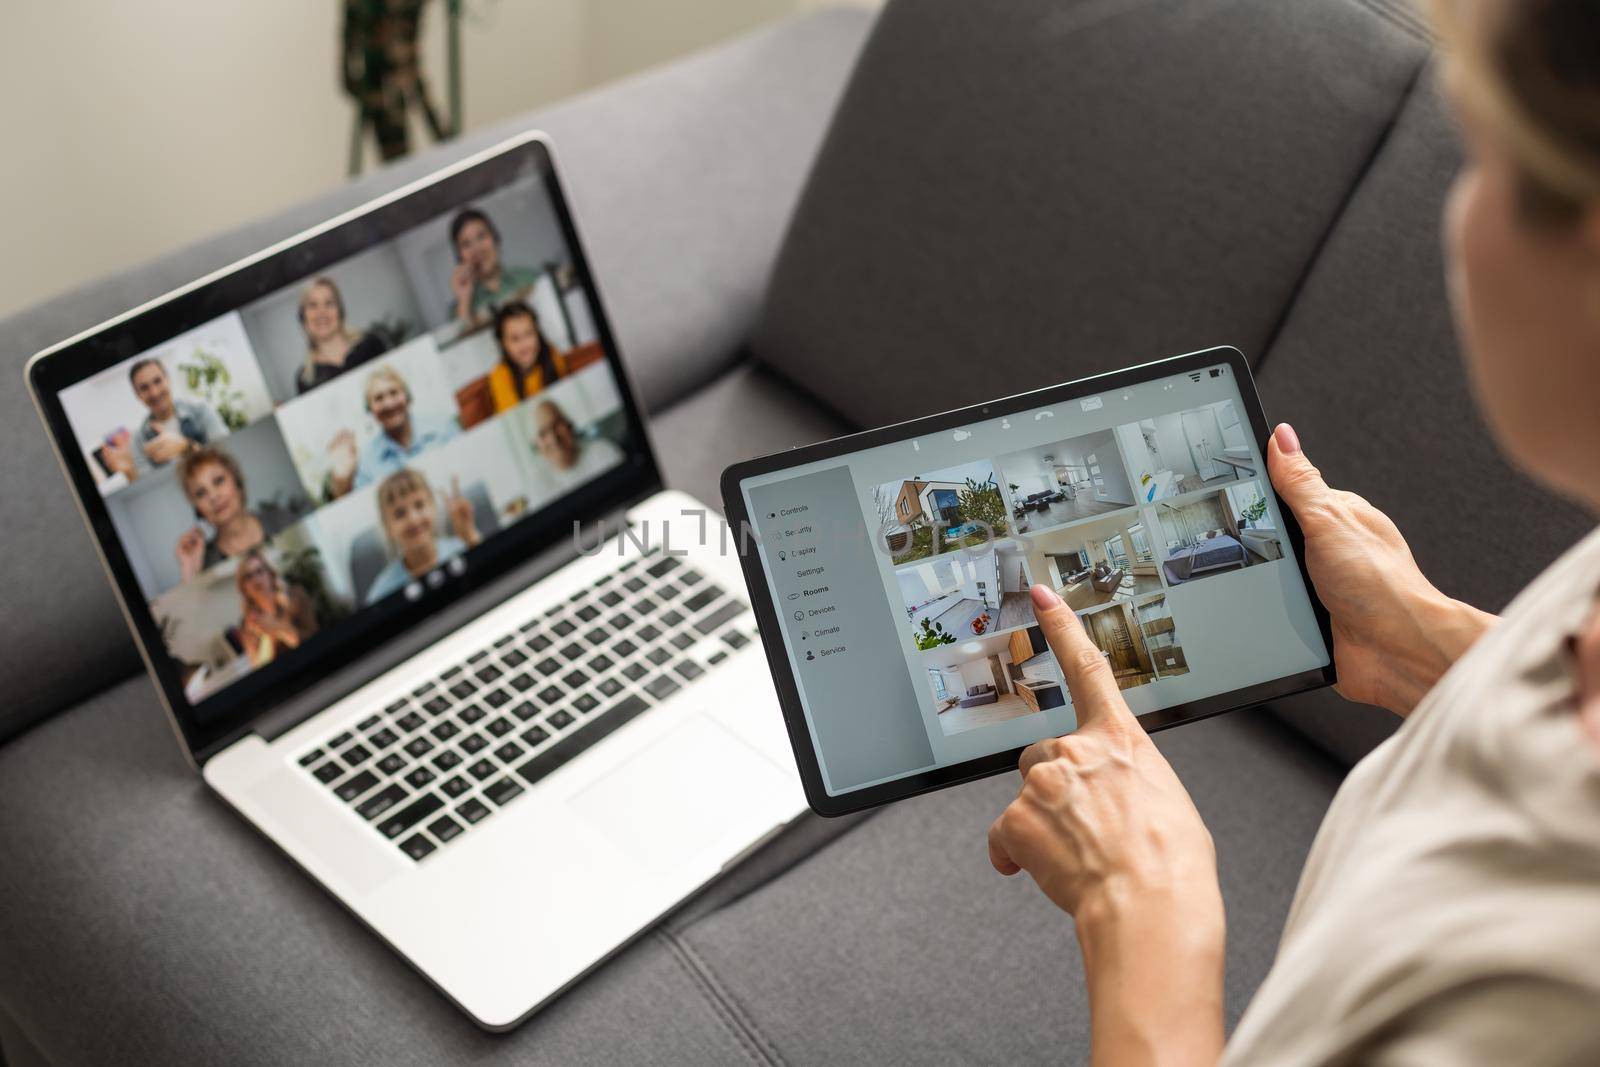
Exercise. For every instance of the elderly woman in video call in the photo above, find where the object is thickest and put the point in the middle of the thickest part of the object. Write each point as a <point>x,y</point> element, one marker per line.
<point>409,513</point>
<point>1449,911</point>
<point>214,486</point>
<point>570,460</point>
<point>172,427</point>
<point>332,347</point>
<point>482,281</point>
<point>276,614</point>
<point>402,435</point>
<point>528,361</point>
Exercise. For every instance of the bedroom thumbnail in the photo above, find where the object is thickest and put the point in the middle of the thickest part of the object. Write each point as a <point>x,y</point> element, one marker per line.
<point>1228,530</point>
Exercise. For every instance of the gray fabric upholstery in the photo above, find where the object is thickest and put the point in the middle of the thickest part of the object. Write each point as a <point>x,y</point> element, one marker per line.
<point>1061,188</point>
<point>899,941</point>
<point>1367,369</point>
<point>681,180</point>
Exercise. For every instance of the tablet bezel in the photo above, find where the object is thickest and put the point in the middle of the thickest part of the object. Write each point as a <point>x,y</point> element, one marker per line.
<point>824,803</point>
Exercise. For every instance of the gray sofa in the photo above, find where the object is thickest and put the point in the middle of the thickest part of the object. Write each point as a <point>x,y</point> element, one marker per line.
<point>832,223</point>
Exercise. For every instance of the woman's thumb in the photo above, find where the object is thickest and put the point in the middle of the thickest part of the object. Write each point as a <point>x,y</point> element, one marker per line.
<point>1296,480</point>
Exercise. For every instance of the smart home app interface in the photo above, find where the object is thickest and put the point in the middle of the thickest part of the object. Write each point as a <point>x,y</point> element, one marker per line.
<point>344,445</point>
<point>901,573</point>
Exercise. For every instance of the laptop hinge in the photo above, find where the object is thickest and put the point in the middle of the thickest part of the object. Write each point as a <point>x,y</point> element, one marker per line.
<point>274,724</point>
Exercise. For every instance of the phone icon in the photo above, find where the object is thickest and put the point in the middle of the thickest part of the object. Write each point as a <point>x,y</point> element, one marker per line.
<point>1044,415</point>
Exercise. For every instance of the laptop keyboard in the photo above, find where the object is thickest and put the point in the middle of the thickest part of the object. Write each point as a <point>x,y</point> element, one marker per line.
<point>462,745</point>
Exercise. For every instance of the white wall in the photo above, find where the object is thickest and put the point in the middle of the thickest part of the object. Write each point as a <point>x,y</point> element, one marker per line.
<point>135,128</point>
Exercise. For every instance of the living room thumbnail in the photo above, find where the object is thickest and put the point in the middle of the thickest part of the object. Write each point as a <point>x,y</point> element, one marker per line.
<point>978,683</point>
<point>1093,563</point>
<point>1069,480</point>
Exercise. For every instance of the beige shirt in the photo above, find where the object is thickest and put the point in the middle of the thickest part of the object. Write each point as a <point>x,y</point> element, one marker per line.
<point>1449,912</point>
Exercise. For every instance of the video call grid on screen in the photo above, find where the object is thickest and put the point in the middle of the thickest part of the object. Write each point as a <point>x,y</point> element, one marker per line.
<point>1145,508</point>
<point>243,465</point>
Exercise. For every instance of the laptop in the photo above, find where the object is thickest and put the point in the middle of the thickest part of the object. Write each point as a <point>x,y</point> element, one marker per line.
<point>381,509</point>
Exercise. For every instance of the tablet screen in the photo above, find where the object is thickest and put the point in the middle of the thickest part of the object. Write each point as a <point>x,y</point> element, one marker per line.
<point>901,573</point>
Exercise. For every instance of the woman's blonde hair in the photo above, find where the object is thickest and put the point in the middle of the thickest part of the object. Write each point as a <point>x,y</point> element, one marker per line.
<point>244,562</point>
<point>308,371</point>
<point>402,482</point>
<point>1531,69</point>
<point>385,372</point>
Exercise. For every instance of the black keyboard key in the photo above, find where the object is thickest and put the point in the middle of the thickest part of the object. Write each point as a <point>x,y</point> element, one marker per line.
<point>500,727</point>
<point>355,785</point>
<point>514,658</point>
<point>601,663</point>
<point>560,720</point>
<point>391,763</point>
<point>522,683</point>
<point>502,642</point>
<point>597,635</point>
<point>328,772</point>
<point>729,610</point>
<point>635,671</point>
<point>483,769</point>
<point>588,613</point>
<point>620,621</point>
<point>451,674</point>
<point>662,566</point>
<point>563,627</point>
<point>437,706</point>
<point>716,657</point>
<point>474,744</point>
<point>670,618</point>
<point>661,687</point>
<point>419,747</point>
<point>463,689</point>
<point>397,707</point>
<point>596,727</point>
<point>489,673</point>
<point>572,650</point>
<point>702,599</point>
<point>419,692</point>
<point>371,720</point>
<point>548,666</point>
<point>311,757</point>
<point>382,739</point>
<point>648,632</point>
<point>624,647</point>
<point>473,810</point>
<point>419,778</point>
<point>445,828</point>
<point>447,759</point>
<point>503,792</point>
<point>551,693</point>
<point>478,657</point>
<point>400,821</point>
<point>645,606</point>
<point>682,640</point>
<point>609,687</point>
<point>535,735</point>
<point>668,592</point>
<point>356,755</point>
<point>497,699</point>
<point>690,670</point>
<point>471,714</point>
<point>579,595</point>
<point>382,801</point>
<point>411,722</point>
<point>587,702</point>
<point>417,847</point>
<point>445,730</point>
<point>454,787</point>
<point>658,656</point>
<point>574,679</point>
<point>611,598</point>
<point>735,639</point>
<point>634,584</point>
<point>525,710</point>
<point>509,752</point>
<point>340,739</point>
<point>690,577</point>
<point>539,642</point>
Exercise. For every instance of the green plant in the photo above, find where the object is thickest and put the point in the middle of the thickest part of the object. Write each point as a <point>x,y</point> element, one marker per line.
<point>303,567</point>
<point>931,635</point>
<point>1254,510</point>
<point>394,330</point>
<point>208,377</point>
<point>980,502</point>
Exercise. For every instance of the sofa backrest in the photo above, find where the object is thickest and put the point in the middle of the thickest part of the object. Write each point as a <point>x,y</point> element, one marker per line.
<point>1013,195</point>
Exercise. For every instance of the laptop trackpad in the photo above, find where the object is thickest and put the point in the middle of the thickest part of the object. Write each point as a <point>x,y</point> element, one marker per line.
<point>696,786</point>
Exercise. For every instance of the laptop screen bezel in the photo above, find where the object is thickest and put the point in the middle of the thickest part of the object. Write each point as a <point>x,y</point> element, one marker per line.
<point>207,727</point>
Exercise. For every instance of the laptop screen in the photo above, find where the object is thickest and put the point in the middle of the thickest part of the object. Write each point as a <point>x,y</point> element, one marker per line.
<point>355,440</point>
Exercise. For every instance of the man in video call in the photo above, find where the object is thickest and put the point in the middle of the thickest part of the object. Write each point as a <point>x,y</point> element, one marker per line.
<point>172,428</point>
<point>571,461</point>
<point>402,435</point>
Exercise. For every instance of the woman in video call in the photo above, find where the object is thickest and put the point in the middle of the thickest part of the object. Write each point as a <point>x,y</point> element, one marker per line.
<point>528,361</point>
<point>214,486</point>
<point>331,347</point>
<point>276,614</point>
<point>1449,911</point>
<point>481,281</point>
<point>570,460</point>
<point>402,435</point>
<point>409,513</point>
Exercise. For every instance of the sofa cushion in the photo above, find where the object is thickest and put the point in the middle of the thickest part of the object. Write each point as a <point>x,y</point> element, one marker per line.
<point>134,898</point>
<point>898,942</point>
<point>681,179</point>
<point>1061,188</point>
<point>1368,370</point>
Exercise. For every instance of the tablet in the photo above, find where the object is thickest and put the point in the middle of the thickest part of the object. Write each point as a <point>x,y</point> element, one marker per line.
<point>889,571</point>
